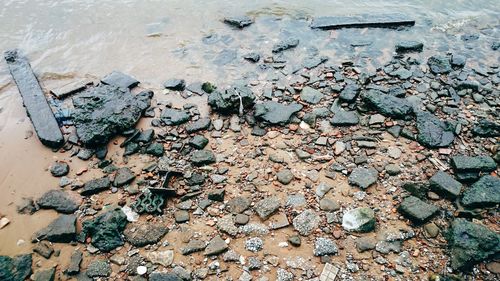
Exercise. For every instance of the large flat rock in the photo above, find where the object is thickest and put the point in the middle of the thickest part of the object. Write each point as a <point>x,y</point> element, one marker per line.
<point>364,20</point>
<point>38,109</point>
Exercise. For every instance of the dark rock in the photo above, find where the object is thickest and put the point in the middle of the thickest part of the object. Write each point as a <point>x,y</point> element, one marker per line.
<point>276,113</point>
<point>458,61</point>
<point>349,93</point>
<point>173,117</point>
<point>465,164</point>
<point>345,118</point>
<point>285,45</point>
<point>17,268</point>
<point>39,111</point>
<point>44,249</point>
<point>95,186</point>
<point>61,230</point>
<point>439,64</point>
<point>193,246</point>
<point>164,276</point>
<point>45,274</point>
<point>483,193</point>
<point>409,46</point>
<point>232,100</point>
<point>216,195</point>
<point>104,111</point>
<point>253,57</point>
<point>155,149</point>
<point>123,176</point>
<point>310,95</point>
<point>389,105</point>
<point>145,136</point>
<point>216,246</point>
<point>85,154</point>
<point>238,21</point>
<point>105,230</point>
<point>238,205</point>
<point>195,179</point>
<point>417,210</point>
<point>445,185</point>
<point>495,46</point>
<point>295,240</point>
<point>59,169</point>
<point>200,124</point>
<point>101,152</point>
<point>131,148</point>
<point>198,142</point>
<point>144,234</point>
<point>74,263</point>
<point>60,201</point>
<point>119,79</point>
<point>432,132</point>
<point>486,128</point>
<point>202,157</point>
<point>364,20</point>
<point>175,84</point>
<point>363,177</point>
<point>471,243</point>
<point>266,207</point>
<point>99,268</point>
<point>402,73</point>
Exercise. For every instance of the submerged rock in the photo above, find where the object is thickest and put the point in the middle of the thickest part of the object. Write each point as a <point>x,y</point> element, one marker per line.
<point>61,230</point>
<point>233,100</point>
<point>276,113</point>
<point>359,220</point>
<point>439,64</point>
<point>104,111</point>
<point>17,268</point>
<point>470,243</point>
<point>389,105</point>
<point>483,193</point>
<point>432,132</point>
<point>105,230</point>
<point>60,201</point>
<point>238,21</point>
<point>409,46</point>
<point>285,45</point>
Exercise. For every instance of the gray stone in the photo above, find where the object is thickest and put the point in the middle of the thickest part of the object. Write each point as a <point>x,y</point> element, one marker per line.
<point>359,220</point>
<point>99,268</point>
<point>193,246</point>
<point>345,118</point>
<point>389,105</point>
<point>364,20</point>
<point>74,263</point>
<point>198,125</point>
<point>45,274</point>
<point>198,142</point>
<point>266,207</point>
<point>60,230</point>
<point>483,193</point>
<point>324,247</point>
<point>463,163</point>
<point>445,185</point>
<point>173,117</point>
<point>439,64</point>
<point>363,177</point>
<point>409,46</point>
<point>226,224</point>
<point>364,244</point>
<point>417,210</point>
<point>285,45</point>
<point>59,169</point>
<point>254,244</point>
<point>306,222</point>
<point>349,93</point>
<point>175,84</point>
<point>216,246</point>
<point>202,158</point>
<point>432,132</point>
<point>123,176</point>
<point>276,113</point>
<point>311,95</point>
<point>60,201</point>
<point>95,186</point>
<point>119,79</point>
<point>322,189</point>
<point>44,249</point>
<point>232,100</point>
<point>285,176</point>
<point>105,230</point>
<point>486,128</point>
<point>144,234</point>
<point>238,21</point>
<point>181,216</point>
<point>238,204</point>
<point>155,149</point>
<point>328,205</point>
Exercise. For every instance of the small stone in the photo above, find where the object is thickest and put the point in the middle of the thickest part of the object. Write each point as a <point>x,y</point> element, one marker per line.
<point>198,142</point>
<point>44,249</point>
<point>181,216</point>
<point>164,258</point>
<point>328,205</point>
<point>365,244</point>
<point>155,149</point>
<point>98,268</point>
<point>123,176</point>
<point>445,185</point>
<point>175,84</point>
<point>295,240</point>
<point>202,157</point>
<point>359,220</point>
<point>311,95</point>
<point>59,169</point>
<point>345,118</point>
<point>393,169</point>
<point>241,219</point>
<point>216,246</point>
<point>431,229</point>
<point>324,246</point>
<point>266,207</point>
<point>306,222</point>
<point>74,263</point>
<point>254,244</point>
<point>285,176</point>
<point>363,177</point>
<point>417,210</point>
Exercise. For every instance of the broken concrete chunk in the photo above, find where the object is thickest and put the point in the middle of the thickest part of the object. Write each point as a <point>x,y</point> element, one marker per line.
<point>119,79</point>
<point>444,184</point>
<point>364,20</point>
<point>417,210</point>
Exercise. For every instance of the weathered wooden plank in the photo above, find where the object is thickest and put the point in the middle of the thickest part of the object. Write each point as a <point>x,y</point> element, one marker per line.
<point>364,20</point>
<point>34,100</point>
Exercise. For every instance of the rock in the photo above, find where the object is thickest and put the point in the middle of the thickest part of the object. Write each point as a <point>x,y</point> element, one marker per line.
<point>295,240</point>
<point>238,21</point>
<point>164,258</point>
<point>105,230</point>
<point>59,169</point>
<point>471,243</point>
<point>483,193</point>
<point>119,79</point>
<point>276,113</point>
<point>254,244</point>
<point>431,229</point>
<point>285,45</point>
<point>312,62</point>
<point>98,268</point>
<point>285,176</point>
<point>385,247</point>
<point>417,210</point>
<point>60,230</point>
<point>323,189</point>
<point>216,195</point>
<point>226,224</point>
<point>181,216</point>
<point>266,207</point>
<point>26,206</point>
<point>44,249</point>
<point>95,186</point>
<point>104,111</point>
<point>389,105</point>
<point>174,117</point>
<point>123,176</point>
<point>466,164</point>
<point>74,263</point>
<point>253,263</point>
<point>306,222</point>
<point>238,204</point>
<point>253,57</point>
<point>328,205</point>
<point>392,169</point>
<point>283,275</point>
<point>486,128</point>
<point>202,158</point>
<point>155,149</point>
<point>175,84</point>
<point>432,132</point>
<point>37,108</point>
<point>364,20</point>
<point>364,244</point>
<point>60,201</point>
<point>17,268</point>
<point>145,136</point>
<point>193,246</point>
<point>324,247</point>
<point>409,46</point>
<point>439,64</point>
<point>345,118</point>
<point>144,234</point>
<point>363,177</point>
<point>164,276</point>
<point>45,274</point>
<point>200,124</point>
<point>445,185</point>
<point>198,142</point>
<point>216,246</point>
<point>359,220</point>
<point>233,100</point>
<point>311,95</point>
<point>349,93</point>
